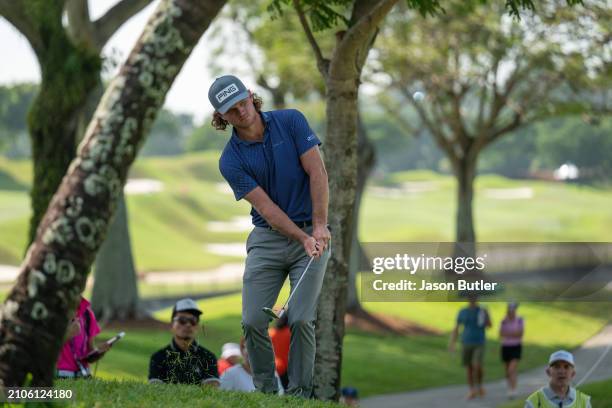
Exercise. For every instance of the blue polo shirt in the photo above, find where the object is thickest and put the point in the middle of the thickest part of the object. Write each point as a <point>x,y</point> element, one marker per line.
<point>273,164</point>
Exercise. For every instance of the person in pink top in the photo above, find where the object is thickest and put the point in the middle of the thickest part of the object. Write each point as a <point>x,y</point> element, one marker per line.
<point>79,343</point>
<point>511,334</point>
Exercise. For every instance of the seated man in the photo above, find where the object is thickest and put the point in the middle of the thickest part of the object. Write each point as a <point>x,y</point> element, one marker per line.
<point>240,376</point>
<point>230,356</point>
<point>184,361</point>
<point>559,392</point>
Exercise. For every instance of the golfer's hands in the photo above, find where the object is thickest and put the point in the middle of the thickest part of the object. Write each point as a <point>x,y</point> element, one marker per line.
<point>322,235</point>
<point>311,247</point>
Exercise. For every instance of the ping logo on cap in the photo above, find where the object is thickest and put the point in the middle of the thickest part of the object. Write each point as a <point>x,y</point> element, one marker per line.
<point>226,92</point>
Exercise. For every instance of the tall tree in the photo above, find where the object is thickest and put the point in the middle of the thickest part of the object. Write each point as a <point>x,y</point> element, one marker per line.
<point>68,52</point>
<point>53,274</point>
<point>488,75</point>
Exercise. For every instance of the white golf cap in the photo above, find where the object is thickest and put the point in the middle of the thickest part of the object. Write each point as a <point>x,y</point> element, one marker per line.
<point>230,350</point>
<point>186,305</point>
<point>561,355</point>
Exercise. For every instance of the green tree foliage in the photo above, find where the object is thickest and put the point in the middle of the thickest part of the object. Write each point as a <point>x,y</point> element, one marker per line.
<point>569,139</point>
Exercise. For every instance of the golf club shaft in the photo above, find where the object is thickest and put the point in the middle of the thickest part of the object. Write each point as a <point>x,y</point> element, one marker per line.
<point>299,281</point>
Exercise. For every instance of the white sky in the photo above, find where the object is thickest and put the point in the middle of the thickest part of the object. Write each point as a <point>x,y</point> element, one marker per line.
<point>188,93</point>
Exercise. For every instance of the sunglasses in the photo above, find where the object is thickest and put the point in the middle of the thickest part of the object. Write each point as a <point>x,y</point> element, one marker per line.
<point>183,320</point>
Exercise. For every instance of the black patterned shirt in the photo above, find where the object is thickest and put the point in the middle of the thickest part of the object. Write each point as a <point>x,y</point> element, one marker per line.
<point>197,365</point>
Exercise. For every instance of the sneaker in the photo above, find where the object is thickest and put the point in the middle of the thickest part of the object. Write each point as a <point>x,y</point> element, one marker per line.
<point>481,392</point>
<point>511,394</point>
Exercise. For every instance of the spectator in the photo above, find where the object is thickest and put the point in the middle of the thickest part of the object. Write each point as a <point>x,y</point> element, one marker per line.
<point>511,334</point>
<point>184,361</point>
<point>240,376</point>
<point>350,396</point>
<point>230,356</point>
<point>79,349</point>
<point>559,392</point>
<point>280,335</point>
<point>475,320</point>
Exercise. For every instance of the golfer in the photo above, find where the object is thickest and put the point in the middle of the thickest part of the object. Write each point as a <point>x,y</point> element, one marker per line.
<point>272,160</point>
<point>559,392</point>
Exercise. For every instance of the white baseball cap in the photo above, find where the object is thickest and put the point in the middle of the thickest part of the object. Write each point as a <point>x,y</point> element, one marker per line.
<point>230,350</point>
<point>186,305</point>
<point>561,355</point>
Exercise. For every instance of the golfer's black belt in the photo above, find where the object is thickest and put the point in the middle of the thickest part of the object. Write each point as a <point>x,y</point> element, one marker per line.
<point>303,224</point>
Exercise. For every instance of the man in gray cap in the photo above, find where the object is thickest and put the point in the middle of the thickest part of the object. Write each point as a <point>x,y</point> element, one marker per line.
<point>184,361</point>
<point>559,392</point>
<point>272,160</point>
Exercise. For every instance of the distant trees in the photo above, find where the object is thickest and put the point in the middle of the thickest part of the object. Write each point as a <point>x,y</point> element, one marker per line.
<point>487,75</point>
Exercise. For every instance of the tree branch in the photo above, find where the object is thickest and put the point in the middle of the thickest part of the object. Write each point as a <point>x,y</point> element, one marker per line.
<point>364,28</point>
<point>14,12</point>
<point>322,62</point>
<point>109,23</point>
<point>80,28</point>
<point>436,132</point>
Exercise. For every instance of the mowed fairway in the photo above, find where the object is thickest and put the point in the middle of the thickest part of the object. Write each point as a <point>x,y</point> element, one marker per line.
<point>505,210</point>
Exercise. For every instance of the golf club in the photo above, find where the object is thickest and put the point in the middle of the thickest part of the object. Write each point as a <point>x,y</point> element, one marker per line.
<point>280,314</point>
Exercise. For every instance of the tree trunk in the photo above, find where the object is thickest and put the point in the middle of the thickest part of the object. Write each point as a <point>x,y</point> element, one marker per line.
<point>341,163</point>
<point>68,75</point>
<point>465,173</point>
<point>115,291</point>
<point>342,77</point>
<point>465,237</point>
<point>56,128</point>
<point>366,158</point>
<point>53,274</point>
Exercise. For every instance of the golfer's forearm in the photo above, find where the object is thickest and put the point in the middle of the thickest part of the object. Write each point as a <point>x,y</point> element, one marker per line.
<point>319,193</point>
<point>279,221</point>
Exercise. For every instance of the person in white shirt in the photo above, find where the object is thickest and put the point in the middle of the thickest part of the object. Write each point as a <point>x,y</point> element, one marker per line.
<point>240,378</point>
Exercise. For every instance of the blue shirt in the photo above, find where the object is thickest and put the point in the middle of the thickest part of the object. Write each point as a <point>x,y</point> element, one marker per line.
<point>273,164</point>
<point>473,326</point>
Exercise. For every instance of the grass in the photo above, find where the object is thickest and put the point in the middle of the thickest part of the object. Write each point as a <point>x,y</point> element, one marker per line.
<point>555,212</point>
<point>174,221</point>
<point>102,393</point>
<point>600,392</point>
<point>400,363</point>
<point>169,233</point>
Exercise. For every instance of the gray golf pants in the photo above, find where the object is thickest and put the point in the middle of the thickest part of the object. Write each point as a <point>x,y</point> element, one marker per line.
<point>270,258</point>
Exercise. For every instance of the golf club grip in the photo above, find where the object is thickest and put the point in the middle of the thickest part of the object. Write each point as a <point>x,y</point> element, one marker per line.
<point>299,281</point>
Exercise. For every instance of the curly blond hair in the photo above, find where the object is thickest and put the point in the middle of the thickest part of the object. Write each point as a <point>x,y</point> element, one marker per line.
<point>221,124</point>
